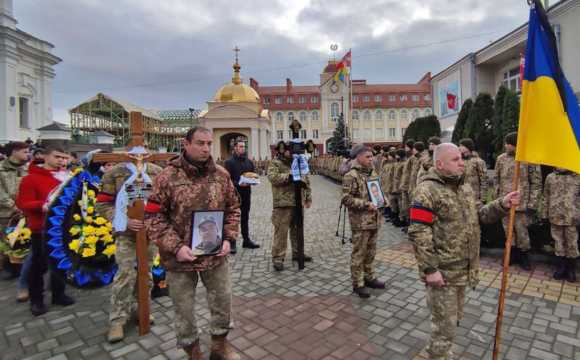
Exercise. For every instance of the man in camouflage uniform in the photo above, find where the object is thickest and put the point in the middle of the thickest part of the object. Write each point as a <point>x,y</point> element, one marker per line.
<point>561,208</point>
<point>530,187</point>
<point>400,161</point>
<point>445,234</point>
<point>386,180</point>
<point>266,164</point>
<point>409,181</point>
<point>124,292</point>
<point>284,201</point>
<point>193,182</point>
<point>365,223</point>
<point>12,170</point>
<point>475,170</point>
<point>427,160</point>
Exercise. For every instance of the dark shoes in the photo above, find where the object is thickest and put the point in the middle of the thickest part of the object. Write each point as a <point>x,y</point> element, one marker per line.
<point>249,244</point>
<point>571,270</point>
<point>375,284</point>
<point>362,291</point>
<point>63,300</point>
<point>38,308</point>
<point>233,248</point>
<point>278,267</point>
<point>562,269</point>
<point>306,257</point>
<point>524,261</point>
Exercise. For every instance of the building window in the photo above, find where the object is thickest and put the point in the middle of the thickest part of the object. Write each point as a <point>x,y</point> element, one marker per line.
<point>355,98</point>
<point>315,134</point>
<point>367,133</point>
<point>403,131</point>
<point>392,115</point>
<point>415,114</point>
<point>279,117</point>
<point>355,133</point>
<point>279,134</point>
<point>415,97</point>
<point>392,132</point>
<point>302,99</point>
<point>290,100</point>
<point>266,100</point>
<point>291,116</point>
<point>355,115</point>
<point>379,133</point>
<point>290,134</point>
<point>427,112</point>
<point>427,97</point>
<point>278,100</point>
<point>367,115</point>
<point>314,99</point>
<point>302,134</point>
<point>24,112</point>
<point>366,98</point>
<point>334,113</point>
<point>379,115</point>
<point>303,116</point>
<point>511,79</point>
<point>403,97</point>
<point>404,114</point>
<point>378,97</point>
<point>315,116</point>
<point>391,97</point>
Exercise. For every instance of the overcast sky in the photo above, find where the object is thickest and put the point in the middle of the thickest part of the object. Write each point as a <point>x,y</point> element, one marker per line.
<point>111,46</point>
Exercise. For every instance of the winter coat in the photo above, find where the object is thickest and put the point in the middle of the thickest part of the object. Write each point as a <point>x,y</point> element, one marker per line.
<point>355,196</point>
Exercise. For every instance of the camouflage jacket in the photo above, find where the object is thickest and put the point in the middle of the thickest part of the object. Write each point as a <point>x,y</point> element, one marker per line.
<point>476,176</point>
<point>398,175</point>
<point>179,190</point>
<point>10,177</point>
<point>280,176</point>
<point>355,196</point>
<point>445,229</point>
<point>426,163</point>
<point>530,182</point>
<point>409,180</point>
<point>561,203</point>
<point>386,176</point>
<point>406,174</point>
<point>111,184</point>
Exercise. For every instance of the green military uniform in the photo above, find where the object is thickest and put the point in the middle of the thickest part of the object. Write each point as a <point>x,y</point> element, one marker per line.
<point>123,290</point>
<point>445,234</point>
<point>283,217</point>
<point>476,175</point>
<point>364,224</point>
<point>10,177</point>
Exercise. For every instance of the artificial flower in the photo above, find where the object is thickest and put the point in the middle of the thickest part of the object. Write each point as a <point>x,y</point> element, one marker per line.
<point>26,231</point>
<point>89,230</point>
<point>74,245</point>
<point>77,170</point>
<point>74,231</point>
<point>91,194</point>
<point>76,217</point>
<point>110,250</point>
<point>89,220</point>
<point>90,210</point>
<point>89,251</point>
<point>100,221</point>
<point>80,203</point>
<point>107,238</point>
<point>91,240</point>
<point>102,231</point>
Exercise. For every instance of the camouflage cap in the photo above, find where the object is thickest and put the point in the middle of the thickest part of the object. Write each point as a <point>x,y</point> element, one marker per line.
<point>205,219</point>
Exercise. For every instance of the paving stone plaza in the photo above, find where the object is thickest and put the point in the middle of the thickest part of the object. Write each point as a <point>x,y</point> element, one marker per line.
<point>312,313</point>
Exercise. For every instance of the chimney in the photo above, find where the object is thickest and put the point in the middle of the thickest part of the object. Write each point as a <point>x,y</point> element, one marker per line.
<point>288,85</point>
<point>254,84</point>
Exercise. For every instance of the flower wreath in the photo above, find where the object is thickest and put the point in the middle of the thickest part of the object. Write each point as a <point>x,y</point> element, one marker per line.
<point>21,245</point>
<point>78,242</point>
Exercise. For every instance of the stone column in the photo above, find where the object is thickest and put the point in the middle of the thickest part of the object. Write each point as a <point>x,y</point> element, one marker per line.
<point>254,143</point>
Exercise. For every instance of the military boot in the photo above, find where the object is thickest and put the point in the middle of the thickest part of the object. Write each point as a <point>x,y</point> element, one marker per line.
<point>249,244</point>
<point>524,261</point>
<point>221,349</point>
<point>514,256</point>
<point>362,291</point>
<point>115,333</point>
<point>194,351</point>
<point>561,270</point>
<point>571,270</point>
<point>375,284</point>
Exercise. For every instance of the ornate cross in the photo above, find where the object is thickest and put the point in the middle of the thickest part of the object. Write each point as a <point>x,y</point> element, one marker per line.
<point>237,49</point>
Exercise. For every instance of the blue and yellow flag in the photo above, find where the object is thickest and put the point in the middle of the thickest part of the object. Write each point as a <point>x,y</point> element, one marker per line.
<point>549,130</point>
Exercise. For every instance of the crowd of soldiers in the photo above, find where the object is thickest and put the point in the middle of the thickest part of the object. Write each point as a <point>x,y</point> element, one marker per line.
<point>260,165</point>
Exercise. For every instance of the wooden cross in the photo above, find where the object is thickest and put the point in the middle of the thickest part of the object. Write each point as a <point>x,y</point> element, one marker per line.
<point>137,212</point>
<point>237,49</point>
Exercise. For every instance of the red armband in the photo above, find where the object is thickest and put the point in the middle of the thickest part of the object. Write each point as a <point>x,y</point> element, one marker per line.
<point>152,207</point>
<point>102,197</point>
<point>421,215</point>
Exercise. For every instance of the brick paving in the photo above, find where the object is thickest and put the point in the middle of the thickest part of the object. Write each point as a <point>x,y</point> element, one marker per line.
<point>312,313</point>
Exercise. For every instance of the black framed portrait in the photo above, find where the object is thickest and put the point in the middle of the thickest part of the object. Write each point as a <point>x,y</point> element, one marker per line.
<point>207,229</point>
<point>376,194</point>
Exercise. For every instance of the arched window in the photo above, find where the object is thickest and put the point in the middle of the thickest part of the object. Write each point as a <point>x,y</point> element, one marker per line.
<point>415,114</point>
<point>367,115</point>
<point>392,115</point>
<point>279,117</point>
<point>379,115</point>
<point>427,112</point>
<point>355,115</point>
<point>334,112</point>
<point>303,116</point>
<point>290,116</point>
<point>315,116</point>
<point>404,114</point>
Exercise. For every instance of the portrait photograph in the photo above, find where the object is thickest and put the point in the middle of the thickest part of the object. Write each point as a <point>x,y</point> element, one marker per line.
<point>206,232</point>
<point>376,193</point>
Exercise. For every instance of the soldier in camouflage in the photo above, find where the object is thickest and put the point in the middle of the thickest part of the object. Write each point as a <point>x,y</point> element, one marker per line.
<point>124,292</point>
<point>192,181</point>
<point>409,181</point>
<point>284,203</point>
<point>386,181</point>
<point>445,234</point>
<point>404,182</point>
<point>428,158</point>
<point>475,170</point>
<point>365,223</point>
<point>530,187</point>
<point>561,208</point>
<point>400,161</point>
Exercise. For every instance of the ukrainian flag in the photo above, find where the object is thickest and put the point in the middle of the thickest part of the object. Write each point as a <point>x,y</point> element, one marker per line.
<point>549,129</point>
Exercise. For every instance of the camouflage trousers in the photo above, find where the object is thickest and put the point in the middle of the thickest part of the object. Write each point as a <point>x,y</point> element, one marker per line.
<point>283,221</point>
<point>394,202</point>
<point>218,296</point>
<point>521,235</point>
<point>566,239</point>
<point>404,206</point>
<point>3,226</point>
<point>445,304</point>
<point>362,256</point>
<point>124,291</point>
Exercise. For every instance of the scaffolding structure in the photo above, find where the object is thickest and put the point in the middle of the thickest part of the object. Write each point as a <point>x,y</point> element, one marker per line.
<point>162,128</point>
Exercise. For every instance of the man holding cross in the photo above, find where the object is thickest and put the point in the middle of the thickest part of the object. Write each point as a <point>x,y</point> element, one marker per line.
<point>124,289</point>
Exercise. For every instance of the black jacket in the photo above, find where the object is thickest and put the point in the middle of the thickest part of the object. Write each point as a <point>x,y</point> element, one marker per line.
<point>236,166</point>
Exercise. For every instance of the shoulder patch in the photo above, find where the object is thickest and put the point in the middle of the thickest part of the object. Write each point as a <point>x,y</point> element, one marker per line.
<point>421,214</point>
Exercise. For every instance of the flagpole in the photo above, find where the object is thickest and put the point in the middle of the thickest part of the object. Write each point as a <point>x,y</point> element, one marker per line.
<point>351,107</point>
<point>506,264</point>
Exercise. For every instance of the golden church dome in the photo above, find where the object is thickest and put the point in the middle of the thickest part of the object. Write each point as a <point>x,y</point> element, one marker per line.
<point>236,91</point>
